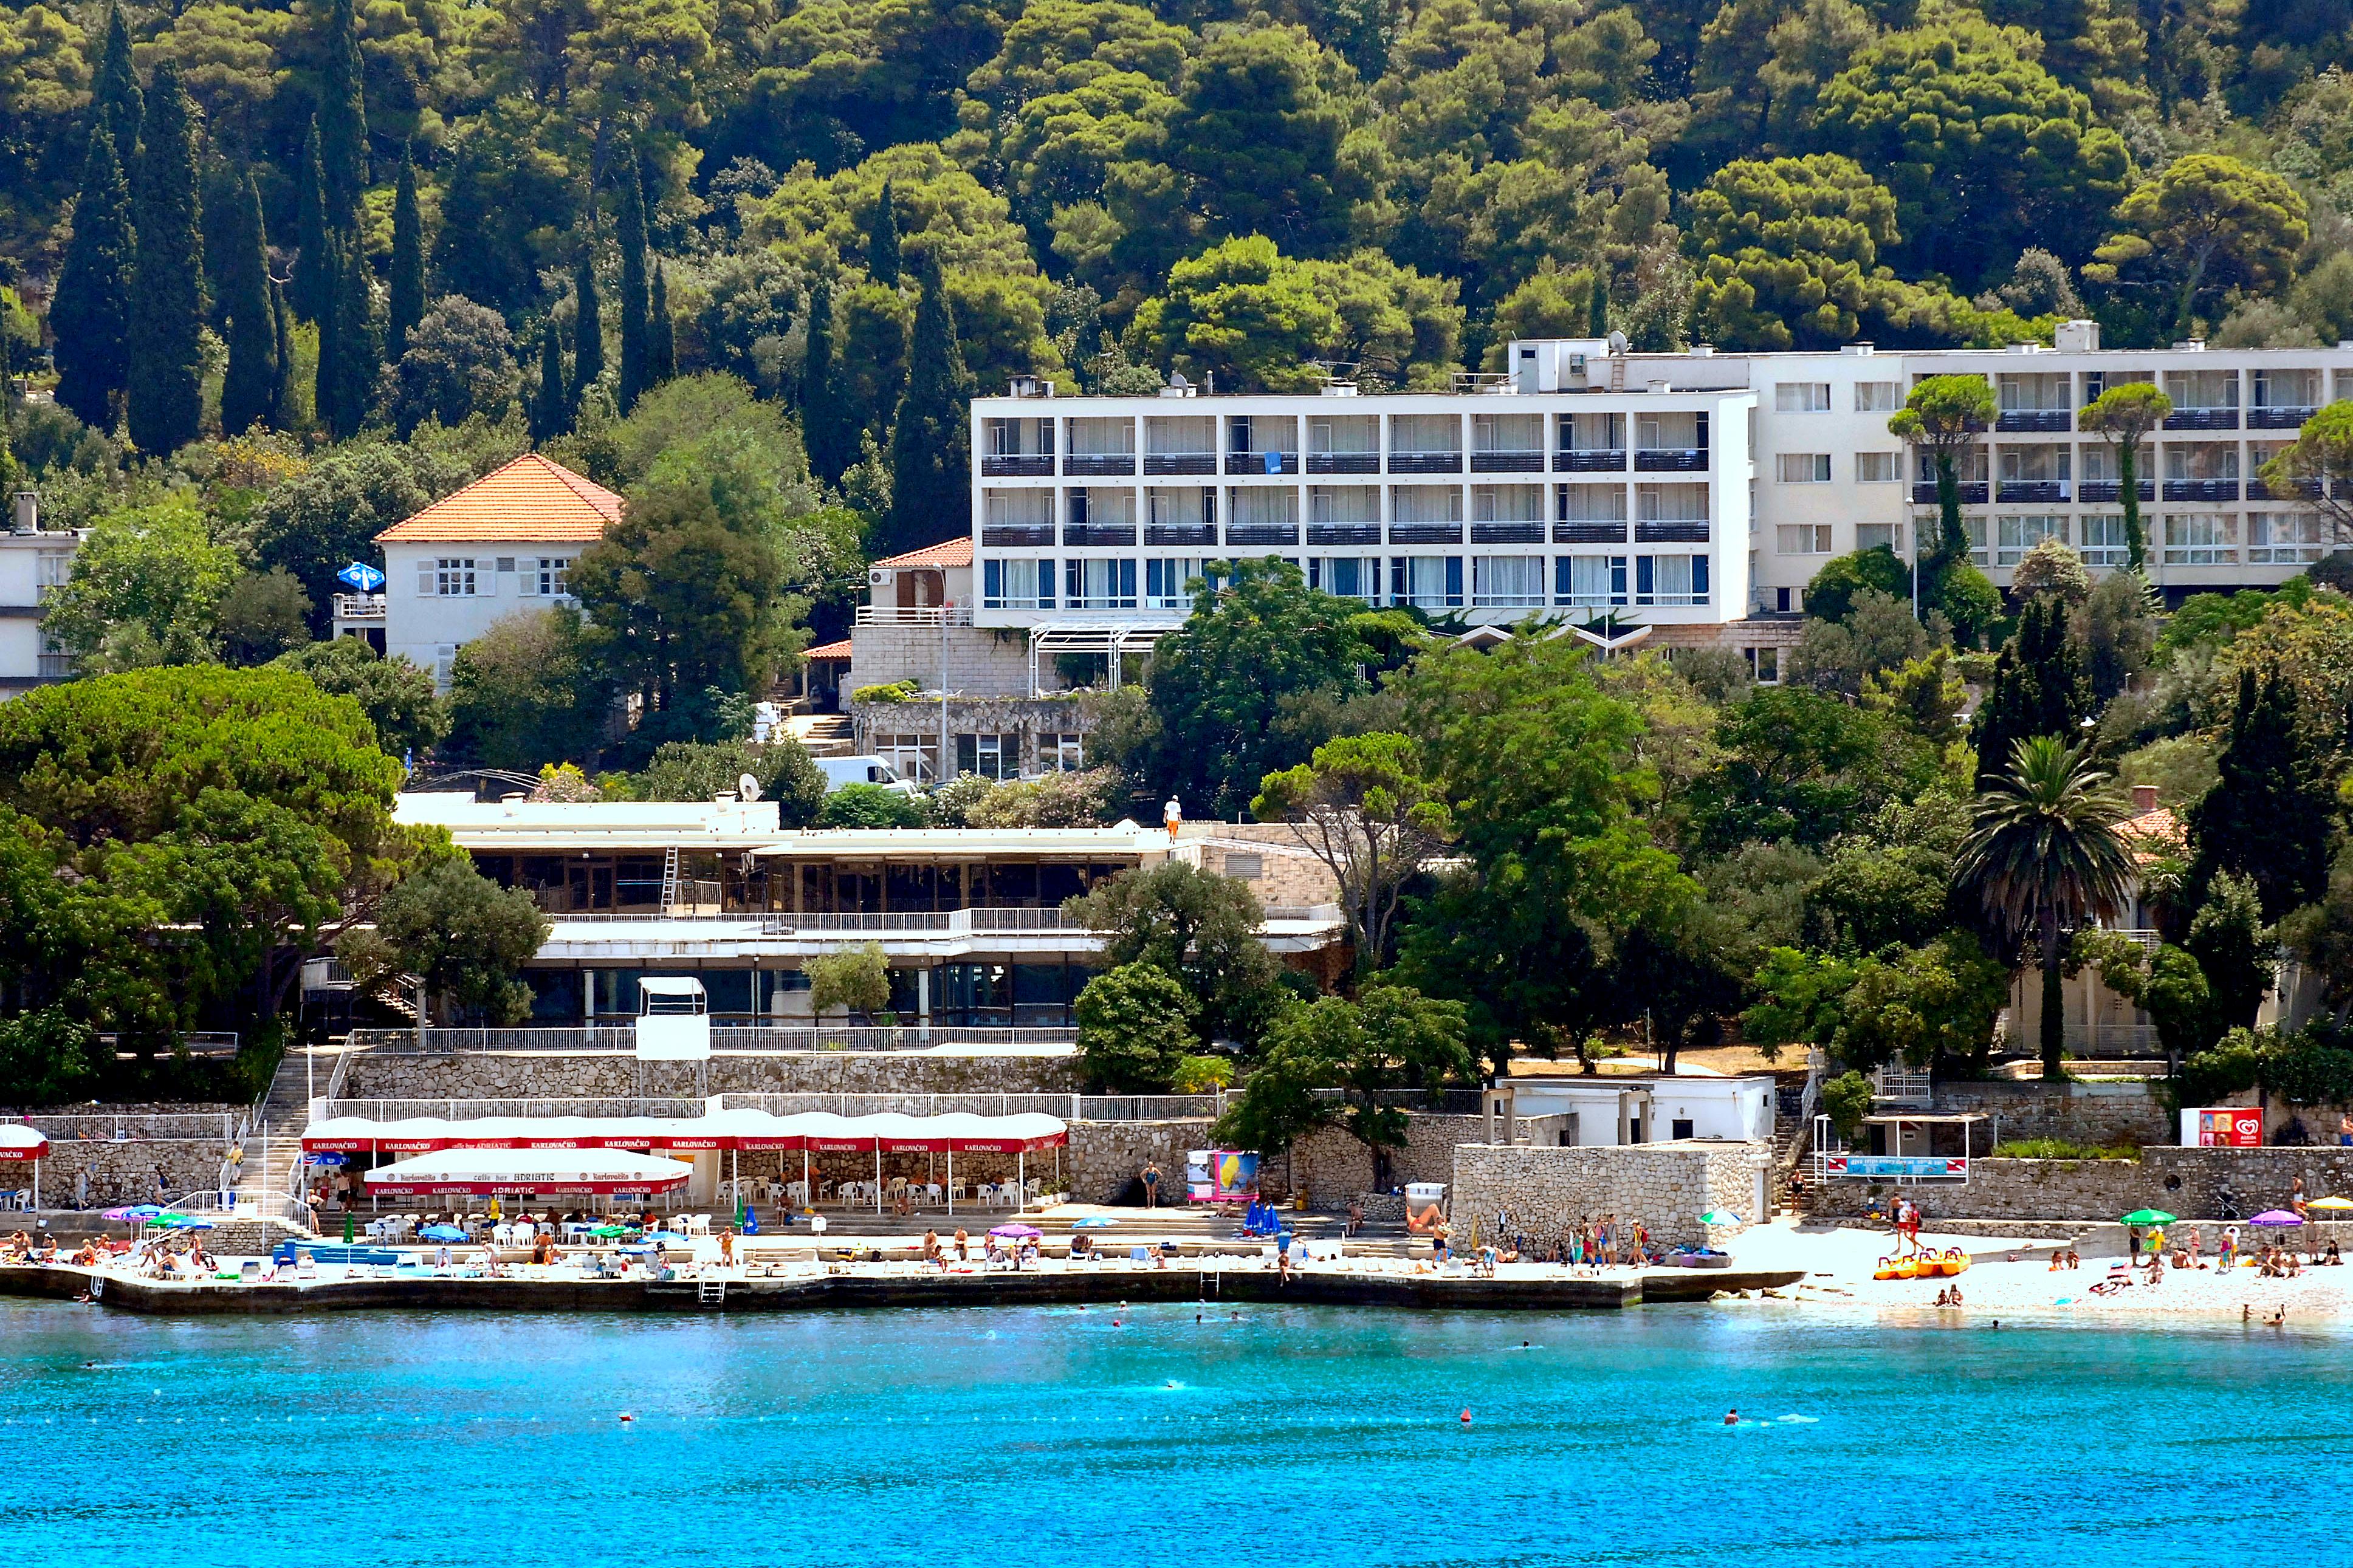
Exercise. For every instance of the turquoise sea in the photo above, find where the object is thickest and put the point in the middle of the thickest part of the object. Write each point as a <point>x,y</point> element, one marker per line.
<point>1054,1436</point>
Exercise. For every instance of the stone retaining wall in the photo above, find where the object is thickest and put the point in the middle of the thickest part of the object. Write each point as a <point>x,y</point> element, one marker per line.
<point>1105,1156</point>
<point>534,1074</point>
<point>121,1173</point>
<point>2187,1181</point>
<point>1330,1166</point>
<point>1667,1186</point>
<point>2103,1115</point>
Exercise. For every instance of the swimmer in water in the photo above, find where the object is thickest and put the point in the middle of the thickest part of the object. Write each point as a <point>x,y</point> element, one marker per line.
<point>1731,1416</point>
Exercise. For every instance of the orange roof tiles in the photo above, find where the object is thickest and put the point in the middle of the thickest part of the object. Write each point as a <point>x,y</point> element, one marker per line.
<point>956,552</point>
<point>829,650</point>
<point>530,501</point>
<point>2152,834</point>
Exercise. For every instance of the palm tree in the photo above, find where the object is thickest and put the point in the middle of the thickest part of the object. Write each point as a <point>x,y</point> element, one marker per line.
<point>2044,854</point>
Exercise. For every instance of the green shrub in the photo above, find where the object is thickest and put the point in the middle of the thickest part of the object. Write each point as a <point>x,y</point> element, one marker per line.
<point>2060,1148</point>
<point>895,692</point>
<point>1200,1075</point>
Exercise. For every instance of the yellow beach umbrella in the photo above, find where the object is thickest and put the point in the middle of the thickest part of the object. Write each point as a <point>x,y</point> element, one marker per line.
<point>2331,1205</point>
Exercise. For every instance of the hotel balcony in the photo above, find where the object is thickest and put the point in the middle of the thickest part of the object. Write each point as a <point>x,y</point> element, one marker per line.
<point>1588,533</point>
<point>1100,536</point>
<point>1425,533</point>
<point>2091,490</point>
<point>2201,490</point>
<point>2287,418</point>
<point>1507,533</point>
<point>2043,420</point>
<point>2013,492</point>
<point>1261,462</point>
<point>359,606</point>
<point>1671,459</point>
<point>1344,533</point>
<point>1261,533</point>
<point>1425,462</point>
<point>1181,463</point>
<point>1671,530</point>
<point>2202,419</point>
<point>914,614</point>
<point>1028,465</point>
<point>1344,462</point>
<point>1017,535</point>
<point>1099,466</point>
<point>1589,461</point>
<point>1973,492</point>
<point>1180,534</point>
<point>1507,462</point>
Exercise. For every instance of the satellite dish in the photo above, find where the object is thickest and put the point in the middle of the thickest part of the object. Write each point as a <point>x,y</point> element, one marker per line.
<point>1617,343</point>
<point>747,788</point>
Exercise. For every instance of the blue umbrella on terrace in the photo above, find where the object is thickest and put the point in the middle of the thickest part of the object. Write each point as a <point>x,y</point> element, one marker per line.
<point>441,1233</point>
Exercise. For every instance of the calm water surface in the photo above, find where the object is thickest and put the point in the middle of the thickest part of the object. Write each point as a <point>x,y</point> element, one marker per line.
<point>1050,1438</point>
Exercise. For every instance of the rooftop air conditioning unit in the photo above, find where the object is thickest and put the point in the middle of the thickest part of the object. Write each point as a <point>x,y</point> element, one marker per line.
<point>880,576</point>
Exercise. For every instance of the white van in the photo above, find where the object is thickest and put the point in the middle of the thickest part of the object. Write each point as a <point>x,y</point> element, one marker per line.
<point>840,771</point>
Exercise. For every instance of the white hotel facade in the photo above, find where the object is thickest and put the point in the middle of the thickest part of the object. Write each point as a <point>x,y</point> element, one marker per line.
<point>1687,497</point>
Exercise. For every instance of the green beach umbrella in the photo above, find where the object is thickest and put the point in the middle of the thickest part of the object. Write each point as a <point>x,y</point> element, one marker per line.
<point>2147,1216</point>
<point>609,1230</point>
<point>1719,1217</point>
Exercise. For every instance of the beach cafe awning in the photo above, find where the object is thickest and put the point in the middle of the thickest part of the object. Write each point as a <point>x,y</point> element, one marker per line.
<point>19,1141</point>
<point>813,1131</point>
<point>486,1172</point>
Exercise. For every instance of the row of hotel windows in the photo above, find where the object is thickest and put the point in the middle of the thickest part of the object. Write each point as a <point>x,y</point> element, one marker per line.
<point>2182,538</point>
<point>2028,392</point>
<point>2049,462</point>
<point>1347,435</point>
<point>1167,506</point>
<point>471,576</point>
<point>1425,582</point>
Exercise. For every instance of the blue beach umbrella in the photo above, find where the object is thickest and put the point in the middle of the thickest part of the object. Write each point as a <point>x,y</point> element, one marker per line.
<point>183,1222</point>
<point>441,1233</point>
<point>361,575</point>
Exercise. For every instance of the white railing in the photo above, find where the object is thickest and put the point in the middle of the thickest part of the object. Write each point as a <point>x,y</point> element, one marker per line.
<point>1899,1088</point>
<point>914,614</point>
<point>762,1038</point>
<point>359,606</point>
<point>142,1127</point>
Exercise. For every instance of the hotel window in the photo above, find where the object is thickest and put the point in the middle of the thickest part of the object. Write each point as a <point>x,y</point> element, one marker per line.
<point>1802,468</point>
<point>1101,506</point>
<point>1018,509</point>
<point>52,570</point>
<point>2103,539</point>
<point>1507,582</point>
<point>1878,467</point>
<point>1878,396</point>
<point>1263,506</point>
<point>1802,537</point>
<point>1670,503</point>
<point>1506,503</point>
<point>1164,583</point>
<point>2201,462</point>
<point>2201,539</point>
<point>1181,506</point>
<point>1426,582</point>
<point>2035,465</point>
<point>1879,535</point>
<point>1060,753</point>
<point>1671,579</point>
<point>543,578</point>
<point>1100,584</point>
<point>990,756</point>
<point>1970,465</point>
<point>1340,506</point>
<point>1928,524</point>
<point>2195,391</point>
<point>1764,665</point>
<point>449,577</point>
<point>2020,534</point>
<point>444,661</point>
<point>1347,576</point>
<point>1588,582</point>
<point>2285,538</point>
<point>1017,585</point>
<point>1426,503</point>
<point>1590,503</point>
<point>1801,397</point>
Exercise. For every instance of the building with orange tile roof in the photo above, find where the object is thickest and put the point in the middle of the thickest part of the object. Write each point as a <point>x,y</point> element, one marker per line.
<point>501,545</point>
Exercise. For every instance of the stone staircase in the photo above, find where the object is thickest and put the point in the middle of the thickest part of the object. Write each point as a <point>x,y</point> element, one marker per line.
<point>285,1113</point>
<point>824,734</point>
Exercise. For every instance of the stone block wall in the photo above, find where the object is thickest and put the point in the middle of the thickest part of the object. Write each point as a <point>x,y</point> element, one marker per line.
<point>980,661</point>
<point>1105,1156</point>
<point>1666,1186</point>
<point>542,1074</point>
<point>114,1174</point>
<point>1282,869</point>
<point>2105,1115</point>
<point>2185,1182</point>
<point>1332,1167</point>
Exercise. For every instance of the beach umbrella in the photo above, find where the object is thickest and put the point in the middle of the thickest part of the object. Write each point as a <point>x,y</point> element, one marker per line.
<point>183,1222</point>
<point>1719,1217</point>
<point>2147,1216</point>
<point>1017,1232</point>
<point>134,1213</point>
<point>361,575</point>
<point>441,1233</point>
<point>2332,1206</point>
<point>610,1230</point>
<point>1093,1221</point>
<point>2275,1218</point>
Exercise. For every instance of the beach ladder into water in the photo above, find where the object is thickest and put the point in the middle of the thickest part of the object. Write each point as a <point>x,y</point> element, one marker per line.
<point>711,1292</point>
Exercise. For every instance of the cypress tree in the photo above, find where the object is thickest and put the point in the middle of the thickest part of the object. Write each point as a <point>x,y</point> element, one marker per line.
<point>630,231</point>
<point>323,376</point>
<point>931,448</point>
<point>1597,308</point>
<point>825,427</point>
<point>114,98</point>
<point>313,264</point>
<point>250,390</point>
<point>465,258</point>
<point>166,397</point>
<point>406,306</point>
<point>2038,690</point>
<point>588,324</point>
<point>882,241</point>
<point>342,119</point>
<point>359,355</point>
<point>2267,817</point>
<point>551,412</point>
<point>665,331</point>
<point>89,314</point>
<point>283,402</point>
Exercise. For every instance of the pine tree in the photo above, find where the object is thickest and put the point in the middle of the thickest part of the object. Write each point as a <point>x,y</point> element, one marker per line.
<point>588,325</point>
<point>282,403</point>
<point>314,286</point>
<point>359,354</point>
<point>551,412</point>
<point>114,98</point>
<point>165,394</point>
<point>2039,689</point>
<point>1597,308</point>
<point>630,232</point>
<point>665,331</point>
<point>825,427</point>
<point>90,315</point>
<point>2267,817</point>
<point>931,448</point>
<point>342,119</point>
<point>882,241</point>
<point>406,305</point>
<point>250,390</point>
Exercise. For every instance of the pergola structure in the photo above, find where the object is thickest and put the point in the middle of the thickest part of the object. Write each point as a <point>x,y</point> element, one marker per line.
<point>1113,638</point>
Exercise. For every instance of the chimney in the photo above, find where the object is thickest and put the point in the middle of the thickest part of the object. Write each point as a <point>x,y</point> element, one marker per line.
<point>2077,337</point>
<point>26,518</point>
<point>2143,799</point>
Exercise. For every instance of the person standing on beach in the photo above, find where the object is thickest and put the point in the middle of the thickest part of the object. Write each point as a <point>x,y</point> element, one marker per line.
<point>962,1256</point>
<point>1151,1179</point>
